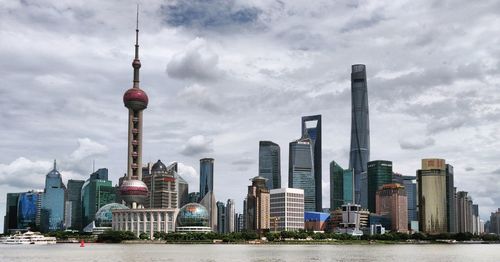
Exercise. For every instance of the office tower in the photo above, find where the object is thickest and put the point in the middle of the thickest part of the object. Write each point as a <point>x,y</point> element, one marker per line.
<point>244,215</point>
<point>301,171</point>
<point>221,217</point>
<point>97,191</point>
<point>182,189</point>
<point>257,206</point>
<point>162,186</point>
<point>208,201</point>
<point>194,197</point>
<point>494,226</point>
<point>311,128</point>
<point>206,176</point>
<point>133,191</point>
<point>341,186</point>
<point>360,128</point>
<point>287,209</point>
<point>75,204</point>
<point>431,181</point>
<point>230,216</point>
<point>28,209</point>
<point>379,174</point>
<point>391,201</point>
<point>475,219</point>
<point>270,163</point>
<point>450,200</point>
<point>239,222</point>
<point>464,213</point>
<point>52,216</point>
<point>351,219</point>
<point>10,219</point>
<point>410,184</point>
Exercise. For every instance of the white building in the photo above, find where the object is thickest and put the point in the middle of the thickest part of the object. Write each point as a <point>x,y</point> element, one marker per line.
<point>145,220</point>
<point>230,214</point>
<point>287,209</point>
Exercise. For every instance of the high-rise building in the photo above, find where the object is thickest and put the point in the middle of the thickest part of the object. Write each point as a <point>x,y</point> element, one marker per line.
<point>257,216</point>
<point>239,223</point>
<point>350,219</point>
<point>29,209</point>
<point>206,176</point>
<point>75,204</point>
<point>52,217</point>
<point>162,186</point>
<point>410,184</point>
<point>451,213</point>
<point>391,201</point>
<point>221,217</point>
<point>301,171</point>
<point>194,197</point>
<point>96,192</point>
<point>182,189</point>
<point>208,201</point>
<point>287,209</point>
<point>432,211</point>
<point>360,128</point>
<point>379,174</point>
<point>230,216</point>
<point>475,220</point>
<point>311,128</point>
<point>464,213</point>
<point>10,219</point>
<point>270,163</point>
<point>341,186</point>
<point>133,191</point>
<point>494,225</point>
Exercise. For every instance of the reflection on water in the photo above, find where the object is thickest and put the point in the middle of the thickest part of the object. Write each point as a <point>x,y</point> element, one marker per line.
<point>254,253</point>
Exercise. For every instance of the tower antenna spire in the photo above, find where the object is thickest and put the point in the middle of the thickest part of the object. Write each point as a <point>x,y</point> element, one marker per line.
<point>136,64</point>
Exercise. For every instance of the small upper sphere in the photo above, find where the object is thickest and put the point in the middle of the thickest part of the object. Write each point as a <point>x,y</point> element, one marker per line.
<point>136,99</point>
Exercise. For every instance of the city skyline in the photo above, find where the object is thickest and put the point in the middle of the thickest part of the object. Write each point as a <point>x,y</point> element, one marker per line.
<point>197,113</point>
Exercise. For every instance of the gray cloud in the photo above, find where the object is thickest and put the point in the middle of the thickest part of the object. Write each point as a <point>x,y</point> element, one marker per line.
<point>469,169</point>
<point>417,145</point>
<point>197,145</point>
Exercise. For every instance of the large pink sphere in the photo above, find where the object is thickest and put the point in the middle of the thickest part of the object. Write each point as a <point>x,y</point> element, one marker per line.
<point>135,99</point>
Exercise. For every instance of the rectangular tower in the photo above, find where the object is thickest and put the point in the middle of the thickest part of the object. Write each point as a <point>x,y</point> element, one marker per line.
<point>341,186</point>
<point>206,176</point>
<point>379,174</point>
<point>360,128</point>
<point>270,163</point>
<point>301,171</point>
<point>311,128</point>
<point>287,209</point>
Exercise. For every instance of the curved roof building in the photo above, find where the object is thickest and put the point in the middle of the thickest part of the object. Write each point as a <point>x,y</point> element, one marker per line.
<point>193,217</point>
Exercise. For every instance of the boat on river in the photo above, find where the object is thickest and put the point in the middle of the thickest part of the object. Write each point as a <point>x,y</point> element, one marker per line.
<point>33,238</point>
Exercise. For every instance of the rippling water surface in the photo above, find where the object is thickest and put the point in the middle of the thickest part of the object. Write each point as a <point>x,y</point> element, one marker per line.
<point>264,253</point>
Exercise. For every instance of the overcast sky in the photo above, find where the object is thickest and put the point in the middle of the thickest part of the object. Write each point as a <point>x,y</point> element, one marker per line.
<point>223,74</point>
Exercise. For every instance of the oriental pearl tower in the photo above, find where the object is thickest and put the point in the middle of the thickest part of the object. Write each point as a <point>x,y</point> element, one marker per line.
<point>133,190</point>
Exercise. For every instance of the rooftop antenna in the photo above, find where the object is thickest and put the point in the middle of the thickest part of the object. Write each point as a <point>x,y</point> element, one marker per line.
<point>93,166</point>
<point>136,64</point>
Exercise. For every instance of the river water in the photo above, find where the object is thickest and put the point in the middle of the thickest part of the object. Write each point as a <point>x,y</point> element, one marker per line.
<point>254,253</point>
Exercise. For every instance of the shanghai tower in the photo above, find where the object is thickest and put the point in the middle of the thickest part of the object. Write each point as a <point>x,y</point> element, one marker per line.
<point>360,131</point>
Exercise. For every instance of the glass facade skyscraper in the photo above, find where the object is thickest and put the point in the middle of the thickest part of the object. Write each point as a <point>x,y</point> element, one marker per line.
<point>28,209</point>
<point>10,219</point>
<point>75,200</point>
<point>52,217</point>
<point>311,128</point>
<point>450,200</point>
<point>379,174</point>
<point>341,186</point>
<point>97,191</point>
<point>301,171</point>
<point>270,163</point>
<point>410,184</point>
<point>360,128</point>
<point>206,176</point>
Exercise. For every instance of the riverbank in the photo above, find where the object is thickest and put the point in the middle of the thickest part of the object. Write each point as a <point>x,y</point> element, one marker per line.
<point>309,242</point>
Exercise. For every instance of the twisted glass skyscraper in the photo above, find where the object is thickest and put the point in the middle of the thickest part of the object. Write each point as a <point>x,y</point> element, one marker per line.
<point>360,129</point>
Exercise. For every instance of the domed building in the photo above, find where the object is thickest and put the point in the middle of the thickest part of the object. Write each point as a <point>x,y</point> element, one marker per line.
<point>104,216</point>
<point>193,217</point>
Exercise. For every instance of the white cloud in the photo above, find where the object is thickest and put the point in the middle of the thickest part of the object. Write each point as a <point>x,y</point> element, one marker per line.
<point>87,148</point>
<point>198,145</point>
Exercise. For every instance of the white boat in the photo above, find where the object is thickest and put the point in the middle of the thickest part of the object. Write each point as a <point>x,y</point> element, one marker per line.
<point>34,238</point>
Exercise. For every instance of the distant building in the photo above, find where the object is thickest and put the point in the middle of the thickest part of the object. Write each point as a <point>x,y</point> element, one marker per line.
<point>239,225</point>
<point>287,209</point>
<point>354,218</point>
<point>431,181</point>
<point>494,224</point>
<point>341,186</point>
<point>206,176</point>
<point>97,191</point>
<point>451,213</point>
<point>162,186</point>
<point>230,216</point>
<point>392,202</point>
<point>270,163</point>
<point>10,219</point>
<point>316,221</point>
<point>52,216</point>
<point>311,128</point>
<point>29,209</point>
<point>464,213</point>
<point>208,201</point>
<point>194,197</point>
<point>182,189</point>
<point>257,212</point>
<point>193,218</point>
<point>221,217</point>
<point>74,202</point>
<point>301,170</point>
<point>360,129</point>
<point>379,174</point>
<point>410,184</point>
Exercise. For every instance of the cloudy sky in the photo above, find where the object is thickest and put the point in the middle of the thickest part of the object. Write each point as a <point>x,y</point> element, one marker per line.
<point>223,74</point>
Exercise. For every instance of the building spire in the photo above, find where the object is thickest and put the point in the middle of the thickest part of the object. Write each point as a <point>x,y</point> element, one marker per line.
<point>55,164</point>
<point>136,64</point>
